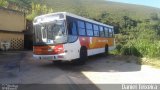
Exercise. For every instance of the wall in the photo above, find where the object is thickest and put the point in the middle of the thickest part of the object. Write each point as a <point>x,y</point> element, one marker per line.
<point>11,20</point>
<point>16,39</point>
<point>12,26</point>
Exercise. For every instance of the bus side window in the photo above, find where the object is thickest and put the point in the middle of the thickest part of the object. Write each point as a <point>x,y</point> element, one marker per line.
<point>81,28</point>
<point>101,31</point>
<point>96,30</point>
<point>110,32</point>
<point>89,29</point>
<point>106,32</point>
<point>72,28</point>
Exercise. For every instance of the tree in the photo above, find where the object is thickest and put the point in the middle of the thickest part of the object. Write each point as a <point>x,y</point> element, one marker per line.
<point>21,5</point>
<point>154,16</point>
<point>125,20</point>
<point>156,26</point>
<point>129,22</point>
<point>38,9</point>
<point>104,14</point>
<point>3,3</point>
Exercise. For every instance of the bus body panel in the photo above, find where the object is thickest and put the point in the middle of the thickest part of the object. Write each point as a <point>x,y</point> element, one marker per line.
<point>94,45</point>
<point>72,50</point>
<point>51,57</point>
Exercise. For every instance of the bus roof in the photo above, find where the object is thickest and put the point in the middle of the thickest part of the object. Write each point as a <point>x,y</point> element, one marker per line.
<point>75,16</point>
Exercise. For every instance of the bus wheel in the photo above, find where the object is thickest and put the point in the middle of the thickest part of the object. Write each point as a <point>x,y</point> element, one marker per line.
<point>57,62</point>
<point>83,57</point>
<point>106,50</point>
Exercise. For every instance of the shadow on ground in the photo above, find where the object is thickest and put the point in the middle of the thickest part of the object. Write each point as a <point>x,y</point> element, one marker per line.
<point>101,63</point>
<point>10,63</point>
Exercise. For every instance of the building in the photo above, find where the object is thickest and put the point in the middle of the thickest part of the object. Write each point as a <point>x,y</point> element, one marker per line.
<point>12,27</point>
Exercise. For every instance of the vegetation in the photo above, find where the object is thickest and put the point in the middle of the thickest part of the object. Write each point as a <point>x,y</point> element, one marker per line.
<point>38,9</point>
<point>137,27</point>
<point>3,3</point>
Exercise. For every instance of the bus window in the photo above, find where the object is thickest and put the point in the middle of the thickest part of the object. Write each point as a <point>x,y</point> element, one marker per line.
<point>72,28</point>
<point>89,29</point>
<point>101,31</point>
<point>38,34</point>
<point>81,28</point>
<point>50,32</point>
<point>106,32</point>
<point>96,30</point>
<point>44,33</point>
<point>110,32</point>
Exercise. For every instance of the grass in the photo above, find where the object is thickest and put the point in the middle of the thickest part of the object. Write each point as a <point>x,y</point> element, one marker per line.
<point>155,62</point>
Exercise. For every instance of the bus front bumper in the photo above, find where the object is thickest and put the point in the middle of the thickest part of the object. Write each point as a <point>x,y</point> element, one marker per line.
<point>50,57</point>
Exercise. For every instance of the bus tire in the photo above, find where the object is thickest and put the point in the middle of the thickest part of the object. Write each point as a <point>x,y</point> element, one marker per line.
<point>106,52</point>
<point>57,62</point>
<point>83,56</point>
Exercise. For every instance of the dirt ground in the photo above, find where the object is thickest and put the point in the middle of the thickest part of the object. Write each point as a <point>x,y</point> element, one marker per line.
<point>99,69</point>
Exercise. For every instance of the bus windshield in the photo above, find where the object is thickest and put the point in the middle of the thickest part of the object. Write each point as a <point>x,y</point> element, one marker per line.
<point>50,32</point>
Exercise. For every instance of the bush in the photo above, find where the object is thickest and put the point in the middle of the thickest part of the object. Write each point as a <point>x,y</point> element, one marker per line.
<point>149,49</point>
<point>130,50</point>
<point>3,3</point>
<point>118,47</point>
<point>135,52</point>
<point>125,50</point>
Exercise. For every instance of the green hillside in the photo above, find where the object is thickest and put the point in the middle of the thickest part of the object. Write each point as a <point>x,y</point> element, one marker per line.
<point>95,7</point>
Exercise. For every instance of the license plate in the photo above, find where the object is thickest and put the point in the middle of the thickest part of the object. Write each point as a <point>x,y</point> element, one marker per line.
<point>47,58</point>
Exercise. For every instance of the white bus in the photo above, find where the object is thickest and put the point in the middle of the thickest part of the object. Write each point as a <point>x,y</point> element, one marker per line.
<point>64,36</point>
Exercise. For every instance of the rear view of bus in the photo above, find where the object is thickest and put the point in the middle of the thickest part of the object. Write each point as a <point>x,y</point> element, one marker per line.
<point>64,37</point>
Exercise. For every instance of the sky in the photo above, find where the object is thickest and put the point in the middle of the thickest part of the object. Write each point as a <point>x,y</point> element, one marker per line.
<point>152,3</point>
